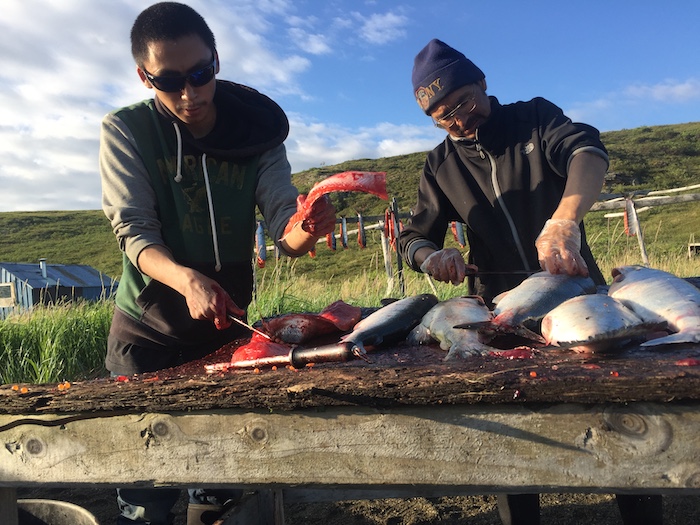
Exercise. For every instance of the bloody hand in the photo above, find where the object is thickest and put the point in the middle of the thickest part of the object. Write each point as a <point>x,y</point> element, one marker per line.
<point>320,218</point>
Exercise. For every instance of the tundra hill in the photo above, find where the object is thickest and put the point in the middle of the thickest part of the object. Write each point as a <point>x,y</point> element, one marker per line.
<point>654,157</point>
<point>646,158</point>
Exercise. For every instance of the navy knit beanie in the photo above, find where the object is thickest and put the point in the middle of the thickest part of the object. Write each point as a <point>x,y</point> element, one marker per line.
<point>438,70</point>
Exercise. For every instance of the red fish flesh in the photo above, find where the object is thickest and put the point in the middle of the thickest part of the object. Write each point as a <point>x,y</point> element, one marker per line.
<point>302,327</point>
<point>342,315</point>
<point>257,347</point>
<point>373,182</point>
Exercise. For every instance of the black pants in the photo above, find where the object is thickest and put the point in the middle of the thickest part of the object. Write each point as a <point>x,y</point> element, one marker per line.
<point>524,509</point>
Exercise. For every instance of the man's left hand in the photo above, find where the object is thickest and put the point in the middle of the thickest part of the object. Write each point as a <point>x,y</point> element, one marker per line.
<point>319,220</point>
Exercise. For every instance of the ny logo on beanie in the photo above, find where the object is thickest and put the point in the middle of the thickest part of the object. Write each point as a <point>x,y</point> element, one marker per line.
<point>438,70</point>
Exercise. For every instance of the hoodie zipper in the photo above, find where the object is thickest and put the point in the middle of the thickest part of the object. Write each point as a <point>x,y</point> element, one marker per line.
<point>484,154</point>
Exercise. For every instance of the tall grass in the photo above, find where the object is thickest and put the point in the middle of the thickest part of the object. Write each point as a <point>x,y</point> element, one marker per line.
<point>68,341</point>
<point>55,343</point>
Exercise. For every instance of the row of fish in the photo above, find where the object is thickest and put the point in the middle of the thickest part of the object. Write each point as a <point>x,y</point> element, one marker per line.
<point>570,312</point>
<point>545,309</point>
<point>389,324</point>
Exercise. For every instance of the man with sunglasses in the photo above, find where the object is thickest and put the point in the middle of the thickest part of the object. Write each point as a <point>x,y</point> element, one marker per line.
<point>182,176</point>
<point>521,177</point>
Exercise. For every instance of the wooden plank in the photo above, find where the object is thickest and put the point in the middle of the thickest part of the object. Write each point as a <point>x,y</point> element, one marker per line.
<point>643,447</point>
<point>646,201</point>
<point>398,376</point>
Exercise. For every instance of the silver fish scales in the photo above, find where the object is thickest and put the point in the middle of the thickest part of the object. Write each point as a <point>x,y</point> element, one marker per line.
<point>656,296</point>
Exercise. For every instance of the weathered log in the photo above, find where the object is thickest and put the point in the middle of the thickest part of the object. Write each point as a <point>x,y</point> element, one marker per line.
<point>400,376</point>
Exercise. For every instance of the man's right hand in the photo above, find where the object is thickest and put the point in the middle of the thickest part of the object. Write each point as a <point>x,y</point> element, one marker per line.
<point>447,265</point>
<point>206,299</point>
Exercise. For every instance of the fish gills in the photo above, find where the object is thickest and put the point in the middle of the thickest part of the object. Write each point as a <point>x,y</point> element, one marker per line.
<point>438,325</point>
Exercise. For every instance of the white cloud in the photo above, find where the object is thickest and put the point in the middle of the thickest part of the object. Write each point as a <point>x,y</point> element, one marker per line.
<point>380,28</point>
<point>314,144</point>
<point>67,63</point>
<point>669,91</point>
<point>638,104</point>
<point>315,44</point>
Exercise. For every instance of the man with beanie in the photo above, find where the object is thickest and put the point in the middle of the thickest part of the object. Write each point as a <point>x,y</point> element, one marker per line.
<point>182,176</point>
<point>521,177</point>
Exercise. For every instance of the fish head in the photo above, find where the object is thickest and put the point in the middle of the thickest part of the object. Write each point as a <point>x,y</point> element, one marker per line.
<point>620,272</point>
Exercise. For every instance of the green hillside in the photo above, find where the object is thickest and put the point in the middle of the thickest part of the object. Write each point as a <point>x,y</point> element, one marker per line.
<point>659,157</point>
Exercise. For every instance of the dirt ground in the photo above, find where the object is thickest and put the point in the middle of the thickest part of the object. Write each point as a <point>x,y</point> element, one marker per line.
<point>557,509</point>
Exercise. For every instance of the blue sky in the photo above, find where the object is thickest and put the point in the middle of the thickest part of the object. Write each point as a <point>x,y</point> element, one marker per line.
<point>341,70</point>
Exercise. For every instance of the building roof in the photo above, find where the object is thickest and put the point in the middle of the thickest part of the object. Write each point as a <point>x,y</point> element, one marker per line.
<point>69,275</point>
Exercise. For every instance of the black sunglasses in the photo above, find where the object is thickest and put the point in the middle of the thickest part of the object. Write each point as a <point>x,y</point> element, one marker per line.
<point>175,84</point>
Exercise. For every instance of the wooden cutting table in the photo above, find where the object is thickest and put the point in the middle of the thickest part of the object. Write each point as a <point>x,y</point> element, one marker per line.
<point>405,424</point>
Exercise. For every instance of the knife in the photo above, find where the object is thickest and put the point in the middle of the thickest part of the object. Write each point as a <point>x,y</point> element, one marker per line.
<point>243,323</point>
<point>300,357</point>
<point>504,272</point>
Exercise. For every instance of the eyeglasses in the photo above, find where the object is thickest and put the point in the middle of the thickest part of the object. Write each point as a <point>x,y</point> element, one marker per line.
<point>175,84</point>
<point>448,120</point>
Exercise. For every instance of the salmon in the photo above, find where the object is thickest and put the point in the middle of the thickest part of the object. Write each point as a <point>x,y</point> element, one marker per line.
<point>390,323</point>
<point>440,325</point>
<point>532,299</point>
<point>658,296</point>
<point>594,323</point>
<point>297,328</point>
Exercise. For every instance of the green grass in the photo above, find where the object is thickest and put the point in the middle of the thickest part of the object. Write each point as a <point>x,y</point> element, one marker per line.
<point>55,343</point>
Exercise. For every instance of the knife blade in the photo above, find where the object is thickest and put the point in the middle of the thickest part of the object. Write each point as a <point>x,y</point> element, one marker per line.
<point>504,272</point>
<point>243,323</point>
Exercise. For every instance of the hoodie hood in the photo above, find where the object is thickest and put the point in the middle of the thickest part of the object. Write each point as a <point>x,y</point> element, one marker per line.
<point>248,123</point>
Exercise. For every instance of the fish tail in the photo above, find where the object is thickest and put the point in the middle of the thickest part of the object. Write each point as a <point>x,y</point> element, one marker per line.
<point>490,330</point>
<point>461,351</point>
<point>680,337</point>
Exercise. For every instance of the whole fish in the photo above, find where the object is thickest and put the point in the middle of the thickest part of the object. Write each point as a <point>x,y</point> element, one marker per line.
<point>439,325</point>
<point>532,299</point>
<point>655,296</point>
<point>594,323</point>
<point>390,323</point>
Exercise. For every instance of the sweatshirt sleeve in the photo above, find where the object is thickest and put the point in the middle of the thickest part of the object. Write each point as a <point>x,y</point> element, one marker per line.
<point>562,139</point>
<point>428,222</point>
<point>275,194</point>
<point>128,199</point>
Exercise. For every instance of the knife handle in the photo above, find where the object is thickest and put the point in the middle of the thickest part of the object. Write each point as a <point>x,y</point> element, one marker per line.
<point>333,353</point>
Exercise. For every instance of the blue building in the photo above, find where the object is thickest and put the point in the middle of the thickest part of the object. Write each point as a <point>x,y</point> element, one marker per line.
<point>22,285</point>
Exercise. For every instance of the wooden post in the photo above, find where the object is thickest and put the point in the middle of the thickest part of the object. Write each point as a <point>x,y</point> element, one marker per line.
<point>397,232</point>
<point>635,228</point>
<point>8,506</point>
<point>386,253</point>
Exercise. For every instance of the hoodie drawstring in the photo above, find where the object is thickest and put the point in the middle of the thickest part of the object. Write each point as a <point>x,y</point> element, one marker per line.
<point>178,172</point>
<point>205,171</point>
<point>214,235</point>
